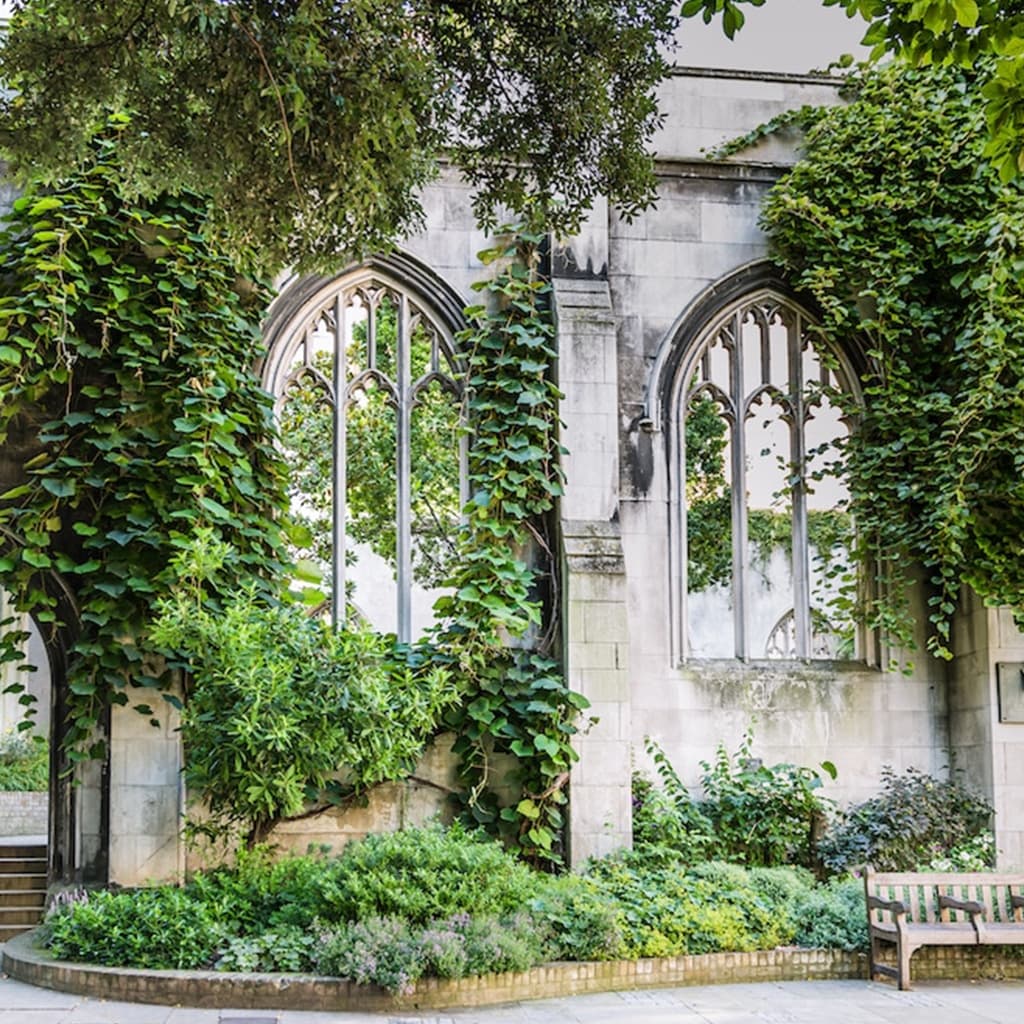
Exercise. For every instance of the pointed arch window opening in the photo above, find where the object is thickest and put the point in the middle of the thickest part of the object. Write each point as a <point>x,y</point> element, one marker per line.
<point>757,430</point>
<point>369,342</point>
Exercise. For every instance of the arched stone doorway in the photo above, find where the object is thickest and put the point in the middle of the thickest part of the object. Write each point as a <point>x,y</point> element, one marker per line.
<point>77,832</point>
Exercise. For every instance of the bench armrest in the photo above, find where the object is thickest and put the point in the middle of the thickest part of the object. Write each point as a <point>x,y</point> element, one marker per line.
<point>893,906</point>
<point>1016,902</point>
<point>972,907</point>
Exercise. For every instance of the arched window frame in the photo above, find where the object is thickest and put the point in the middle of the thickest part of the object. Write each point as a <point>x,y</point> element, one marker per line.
<point>421,297</point>
<point>665,405</point>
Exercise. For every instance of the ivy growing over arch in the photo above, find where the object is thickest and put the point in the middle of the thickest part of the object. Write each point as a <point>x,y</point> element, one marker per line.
<point>906,236</point>
<point>130,420</point>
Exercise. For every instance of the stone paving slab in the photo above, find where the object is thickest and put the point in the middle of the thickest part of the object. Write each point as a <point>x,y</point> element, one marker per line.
<point>793,1002</point>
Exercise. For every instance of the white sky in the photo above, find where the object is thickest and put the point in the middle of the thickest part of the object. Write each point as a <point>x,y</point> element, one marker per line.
<point>783,35</point>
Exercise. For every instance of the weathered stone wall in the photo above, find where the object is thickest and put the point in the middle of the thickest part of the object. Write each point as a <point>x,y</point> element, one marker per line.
<point>23,814</point>
<point>704,229</point>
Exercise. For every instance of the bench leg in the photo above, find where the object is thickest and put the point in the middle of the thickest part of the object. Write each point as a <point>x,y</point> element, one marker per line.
<point>904,951</point>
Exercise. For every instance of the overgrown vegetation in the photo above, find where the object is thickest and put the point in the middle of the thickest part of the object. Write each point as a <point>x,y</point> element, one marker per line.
<point>750,813</point>
<point>503,582</point>
<point>917,821</point>
<point>908,240</point>
<point>279,703</point>
<point>130,418</point>
<point>426,902</point>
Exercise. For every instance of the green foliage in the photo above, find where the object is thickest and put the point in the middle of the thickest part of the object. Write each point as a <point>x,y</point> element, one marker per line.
<point>426,903</point>
<point>751,814</point>
<point>24,763</point>
<point>665,910</point>
<point>831,916</point>
<point>286,948</point>
<point>315,126</point>
<point>391,953</point>
<point>964,33</point>
<point>263,894</point>
<point>278,702</point>
<point>161,928</point>
<point>516,701</point>
<point>915,821</point>
<point>425,874</point>
<point>907,239</point>
<point>130,413</point>
<point>581,918</point>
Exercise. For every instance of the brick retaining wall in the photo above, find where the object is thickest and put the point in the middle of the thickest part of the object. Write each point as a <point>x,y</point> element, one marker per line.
<point>303,992</point>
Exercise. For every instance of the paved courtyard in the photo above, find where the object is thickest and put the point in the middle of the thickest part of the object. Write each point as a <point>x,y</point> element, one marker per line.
<point>794,1002</point>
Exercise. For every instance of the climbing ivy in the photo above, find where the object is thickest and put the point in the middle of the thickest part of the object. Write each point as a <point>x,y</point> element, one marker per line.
<point>130,418</point>
<point>517,702</point>
<point>908,240</point>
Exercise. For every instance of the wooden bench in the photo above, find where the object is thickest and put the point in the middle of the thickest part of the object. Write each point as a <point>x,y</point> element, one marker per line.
<point>915,909</point>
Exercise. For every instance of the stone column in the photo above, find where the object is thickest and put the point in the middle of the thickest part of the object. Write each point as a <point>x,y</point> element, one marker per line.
<point>594,619</point>
<point>986,718</point>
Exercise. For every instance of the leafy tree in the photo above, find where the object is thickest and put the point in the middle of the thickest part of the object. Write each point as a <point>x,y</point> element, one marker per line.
<point>284,711</point>
<point>908,240</point>
<point>314,123</point>
<point>961,32</point>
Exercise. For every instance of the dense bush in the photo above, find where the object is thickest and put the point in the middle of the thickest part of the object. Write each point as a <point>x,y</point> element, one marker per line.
<point>663,909</point>
<point>915,821</point>
<point>24,763</point>
<point>751,813</point>
<point>425,874</point>
<point>433,903</point>
<point>157,928</point>
<point>832,915</point>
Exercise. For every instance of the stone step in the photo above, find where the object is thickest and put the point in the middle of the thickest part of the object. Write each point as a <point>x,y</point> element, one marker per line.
<point>22,898</point>
<point>25,917</point>
<point>13,931</point>
<point>21,866</point>
<point>32,851</point>
<point>9,883</point>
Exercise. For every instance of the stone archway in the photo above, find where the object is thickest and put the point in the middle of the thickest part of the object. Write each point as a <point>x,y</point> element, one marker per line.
<point>78,812</point>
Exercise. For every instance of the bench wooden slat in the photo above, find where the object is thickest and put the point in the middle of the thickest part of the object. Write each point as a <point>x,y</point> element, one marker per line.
<point>903,908</point>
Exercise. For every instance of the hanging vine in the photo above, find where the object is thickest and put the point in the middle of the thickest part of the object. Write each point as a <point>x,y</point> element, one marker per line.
<point>904,234</point>
<point>130,419</point>
<point>517,702</point>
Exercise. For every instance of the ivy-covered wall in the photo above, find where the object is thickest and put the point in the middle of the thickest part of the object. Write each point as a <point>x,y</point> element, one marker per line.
<point>625,296</point>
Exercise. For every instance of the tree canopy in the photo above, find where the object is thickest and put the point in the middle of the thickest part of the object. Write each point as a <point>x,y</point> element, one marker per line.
<point>312,124</point>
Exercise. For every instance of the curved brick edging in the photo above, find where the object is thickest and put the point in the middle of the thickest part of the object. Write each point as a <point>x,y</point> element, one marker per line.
<point>220,990</point>
<point>223,990</point>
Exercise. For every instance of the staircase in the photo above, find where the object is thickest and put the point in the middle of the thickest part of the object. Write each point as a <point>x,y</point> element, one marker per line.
<point>22,886</point>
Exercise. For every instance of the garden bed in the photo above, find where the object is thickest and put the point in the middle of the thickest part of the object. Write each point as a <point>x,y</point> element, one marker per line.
<point>218,989</point>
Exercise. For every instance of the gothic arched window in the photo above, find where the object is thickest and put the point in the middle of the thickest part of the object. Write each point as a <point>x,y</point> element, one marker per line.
<point>763,532</point>
<point>368,398</point>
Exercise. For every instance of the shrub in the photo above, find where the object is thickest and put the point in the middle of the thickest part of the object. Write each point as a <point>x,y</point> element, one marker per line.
<point>393,954</point>
<point>916,820</point>
<point>24,763</point>
<point>425,874</point>
<point>259,893</point>
<point>832,916</point>
<point>666,910</point>
<point>285,949</point>
<point>751,813</point>
<point>155,928</point>
<point>581,919</point>
<point>762,815</point>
